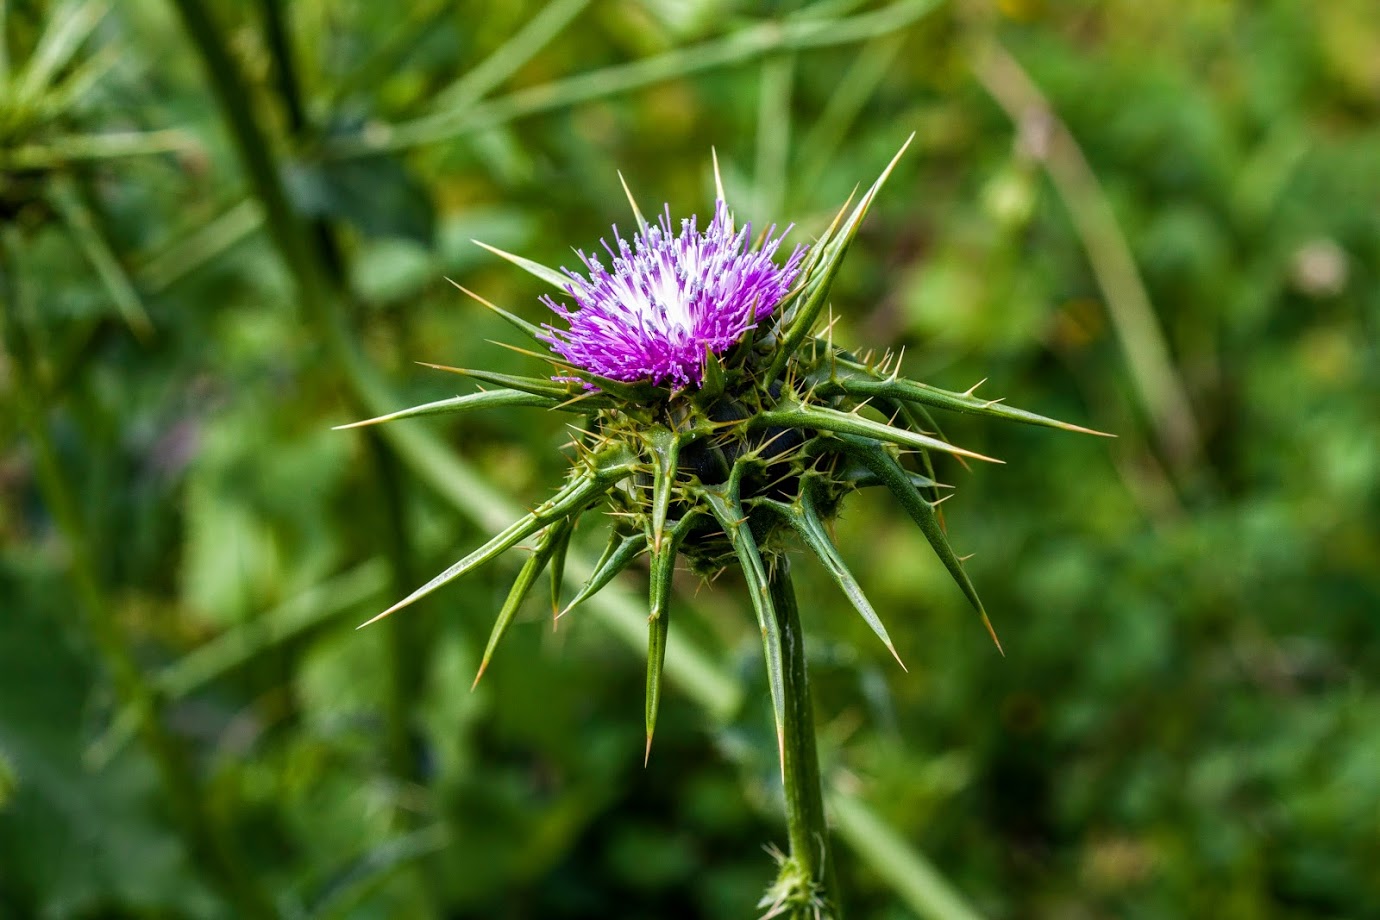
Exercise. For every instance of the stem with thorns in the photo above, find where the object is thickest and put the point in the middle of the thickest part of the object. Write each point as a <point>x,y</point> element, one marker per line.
<point>811,856</point>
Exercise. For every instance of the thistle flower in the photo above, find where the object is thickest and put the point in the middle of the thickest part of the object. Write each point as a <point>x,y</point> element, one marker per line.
<point>670,300</point>
<point>721,426</point>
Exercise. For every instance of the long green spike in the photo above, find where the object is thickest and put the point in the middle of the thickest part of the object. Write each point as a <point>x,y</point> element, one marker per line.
<point>797,322</point>
<point>532,331</point>
<point>916,418</point>
<point>486,399</point>
<point>535,269</point>
<point>659,619</point>
<point>565,529</point>
<point>727,508</point>
<point>804,517</point>
<point>924,514</point>
<point>861,384</point>
<point>574,496</point>
<point>538,386</point>
<point>621,550</point>
<point>822,419</point>
<point>632,203</point>
<point>522,586</point>
<point>664,445</point>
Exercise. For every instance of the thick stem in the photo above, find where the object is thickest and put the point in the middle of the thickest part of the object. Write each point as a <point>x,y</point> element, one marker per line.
<point>806,828</point>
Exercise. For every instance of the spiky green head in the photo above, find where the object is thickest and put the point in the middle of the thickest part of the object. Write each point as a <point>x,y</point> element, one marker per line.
<point>727,450</point>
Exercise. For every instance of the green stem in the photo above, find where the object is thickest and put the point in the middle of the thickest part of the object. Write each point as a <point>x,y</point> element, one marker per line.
<point>315,258</point>
<point>204,838</point>
<point>811,853</point>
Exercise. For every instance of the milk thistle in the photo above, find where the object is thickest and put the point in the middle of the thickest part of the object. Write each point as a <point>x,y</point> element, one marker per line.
<point>723,424</point>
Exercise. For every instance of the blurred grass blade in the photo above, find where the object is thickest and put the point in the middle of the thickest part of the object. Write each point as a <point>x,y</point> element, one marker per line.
<point>193,249</point>
<point>509,57</point>
<point>888,854</point>
<point>866,72</point>
<point>4,45</point>
<point>739,47</point>
<point>73,89</point>
<point>775,83</point>
<point>67,202</point>
<point>246,641</point>
<point>485,399</point>
<point>60,151</point>
<point>67,27</point>
<point>348,887</point>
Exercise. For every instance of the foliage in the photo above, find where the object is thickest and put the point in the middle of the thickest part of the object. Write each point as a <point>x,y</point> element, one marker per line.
<point>1154,219</point>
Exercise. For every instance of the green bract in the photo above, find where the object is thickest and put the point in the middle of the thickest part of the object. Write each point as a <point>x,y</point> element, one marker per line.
<point>783,427</point>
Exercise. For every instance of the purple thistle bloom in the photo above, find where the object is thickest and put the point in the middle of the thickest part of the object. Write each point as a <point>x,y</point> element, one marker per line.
<point>669,298</point>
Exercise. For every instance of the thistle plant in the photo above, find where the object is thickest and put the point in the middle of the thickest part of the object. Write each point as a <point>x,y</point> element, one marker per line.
<point>722,425</point>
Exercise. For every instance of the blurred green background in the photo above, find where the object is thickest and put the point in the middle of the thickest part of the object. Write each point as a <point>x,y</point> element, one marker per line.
<point>227,226</point>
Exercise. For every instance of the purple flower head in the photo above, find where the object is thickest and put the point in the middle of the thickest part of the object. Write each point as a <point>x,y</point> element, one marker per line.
<point>668,298</point>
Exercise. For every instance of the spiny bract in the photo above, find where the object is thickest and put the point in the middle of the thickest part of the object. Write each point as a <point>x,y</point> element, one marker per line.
<point>720,423</point>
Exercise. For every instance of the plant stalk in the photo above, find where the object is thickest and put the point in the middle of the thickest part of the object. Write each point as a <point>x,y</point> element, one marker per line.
<point>806,828</point>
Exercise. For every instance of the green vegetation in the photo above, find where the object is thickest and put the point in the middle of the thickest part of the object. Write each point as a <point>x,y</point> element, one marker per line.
<point>227,227</point>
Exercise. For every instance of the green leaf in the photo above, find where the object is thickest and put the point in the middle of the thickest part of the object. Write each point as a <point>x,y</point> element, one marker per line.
<point>822,419</point>
<point>486,399</point>
<point>573,497</point>
<point>923,513</point>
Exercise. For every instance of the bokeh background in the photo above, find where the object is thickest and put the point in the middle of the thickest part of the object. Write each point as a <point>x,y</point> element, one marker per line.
<point>227,226</point>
